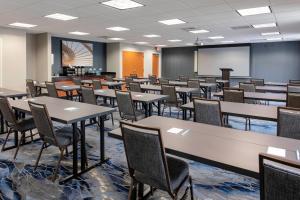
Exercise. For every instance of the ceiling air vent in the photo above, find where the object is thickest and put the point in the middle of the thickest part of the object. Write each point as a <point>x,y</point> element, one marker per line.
<point>189,29</point>
<point>240,27</point>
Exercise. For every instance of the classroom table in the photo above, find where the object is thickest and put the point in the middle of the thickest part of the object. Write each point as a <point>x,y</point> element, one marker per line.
<point>141,80</point>
<point>270,88</point>
<point>145,98</point>
<point>230,149</point>
<point>251,111</point>
<point>68,89</point>
<point>276,84</point>
<point>109,84</point>
<point>9,94</point>
<point>70,112</point>
<point>182,91</point>
<point>278,97</point>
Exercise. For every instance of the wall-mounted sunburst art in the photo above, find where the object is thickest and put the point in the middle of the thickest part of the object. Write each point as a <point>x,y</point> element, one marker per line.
<point>77,54</point>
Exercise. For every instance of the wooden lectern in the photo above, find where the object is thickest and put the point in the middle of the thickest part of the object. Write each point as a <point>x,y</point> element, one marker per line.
<point>226,75</point>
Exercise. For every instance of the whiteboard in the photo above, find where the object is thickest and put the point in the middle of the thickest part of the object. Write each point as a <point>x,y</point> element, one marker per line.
<point>210,60</point>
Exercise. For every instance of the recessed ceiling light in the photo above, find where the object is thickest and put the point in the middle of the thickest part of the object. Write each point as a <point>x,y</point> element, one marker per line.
<point>216,37</point>
<point>151,36</point>
<point>268,25</point>
<point>141,42</point>
<point>270,33</point>
<point>274,39</point>
<point>118,28</point>
<point>60,16</point>
<point>172,22</point>
<point>176,40</point>
<point>22,25</point>
<point>116,39</point>
<point>228,41</point>
<point>122,4</point>
<point>78,33</point>
<point>160,45</point>
<point>254,11</point>
<point>200,31</point>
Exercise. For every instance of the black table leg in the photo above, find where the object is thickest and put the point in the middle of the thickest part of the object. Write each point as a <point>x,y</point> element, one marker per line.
<point>82,145</point>
<point>184,98</point>
<point>145,105</point>
<point>150,109</point>
<point>75,156</point>
<point>102,142</point>
<point>184,114</point>
<point>158,108</point>
<point>2,124</point>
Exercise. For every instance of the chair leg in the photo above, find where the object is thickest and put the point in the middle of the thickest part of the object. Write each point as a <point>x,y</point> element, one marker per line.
<point>191,188</point>
<point>132,190</point>
<point>39,156</point>
<point>112,119</point>
<point>8,133</point>
<point>58,164</point>
<point>163,111</point>
<point>67,152</point>
<point>170,113</point>
<point>19,143</point>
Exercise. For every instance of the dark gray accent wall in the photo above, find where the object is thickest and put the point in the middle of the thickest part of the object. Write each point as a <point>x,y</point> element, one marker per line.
<point>99,54</point>
<point>276,61</point>
<point>178,61</point>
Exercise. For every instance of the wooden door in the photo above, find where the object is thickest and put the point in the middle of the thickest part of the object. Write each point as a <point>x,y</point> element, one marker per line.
<point>155,65</point>
<point>133,63</point>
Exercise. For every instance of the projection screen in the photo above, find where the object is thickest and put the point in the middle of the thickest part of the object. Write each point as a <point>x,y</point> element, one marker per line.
<point>210,60</point>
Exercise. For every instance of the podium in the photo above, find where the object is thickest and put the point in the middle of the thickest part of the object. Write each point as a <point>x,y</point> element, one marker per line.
<point>226,75</point>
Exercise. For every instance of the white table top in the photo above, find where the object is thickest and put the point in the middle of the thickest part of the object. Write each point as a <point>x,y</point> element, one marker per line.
<point>11,93</point>
<point>280,97</point>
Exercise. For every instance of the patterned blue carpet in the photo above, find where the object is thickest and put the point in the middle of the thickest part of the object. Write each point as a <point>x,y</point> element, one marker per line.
<point>111,181</point>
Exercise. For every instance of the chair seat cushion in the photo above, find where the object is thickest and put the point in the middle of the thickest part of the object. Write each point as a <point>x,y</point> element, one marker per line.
<point>64,136</point>
<point>25,124</point>
<point>178,170</point>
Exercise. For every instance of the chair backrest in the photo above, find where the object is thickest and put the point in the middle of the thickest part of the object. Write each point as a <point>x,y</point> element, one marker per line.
<point>133,75</point>
<point>109,78</point>
<point>233,95</point>
<point>128,80</point>
<point>170,91</point>
<point>31,87</point>
<point>279,178</point>
<point>211,79</point>
<point>152,79</point>
<point>145,155</point>
<point>293,88</point>
<point>258,82</point>
<point>88,95</point>
<point>295,81</point>
<point>135,87</point>
<point>51,88</point>
<point>208,112</point>
<point>183,78</point>
<point>77,81</point>
<point>247,87</point>
<point>7,112</point>
<point>43,122</point>
<point>293,100</point>
<point>125,105</point>
<point>288,122</point>
<point>97,84</point>
<point>163,81</point>
<point>193,84</point>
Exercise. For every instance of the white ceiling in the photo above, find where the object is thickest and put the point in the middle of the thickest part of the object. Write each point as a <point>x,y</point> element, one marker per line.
<point>217,16</point>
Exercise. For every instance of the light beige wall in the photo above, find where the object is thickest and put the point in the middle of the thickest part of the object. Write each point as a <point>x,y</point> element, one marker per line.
<point>115,60</point>
<point>13,59</point>
<point>31,48</point>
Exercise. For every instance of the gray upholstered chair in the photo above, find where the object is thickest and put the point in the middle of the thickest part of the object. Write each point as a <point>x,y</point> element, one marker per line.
<point>148,163</point>
<point>163,81</point>
<point>194,84</point>
<point>183,78</point>
<point>51,88</point>
<point>88,96</point>
<point>247,87</point>
<point>288,124</point>
<point>153,79</point>
<point>294,82</point>
<point>31,87</point>
<point>14,125</point>
<point>61,138</point>
<point>126,107</point>
<point>172,99</point>
<point>97,84</point>
<point>109,78</point>
<point>77,81</point>
<point>258,82</point>
<point>293,100</point>
<point>208,112</point>
<point>279,178</point>
<point>128,80</point>
<point>233,95</point>
<point>135,87</point>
